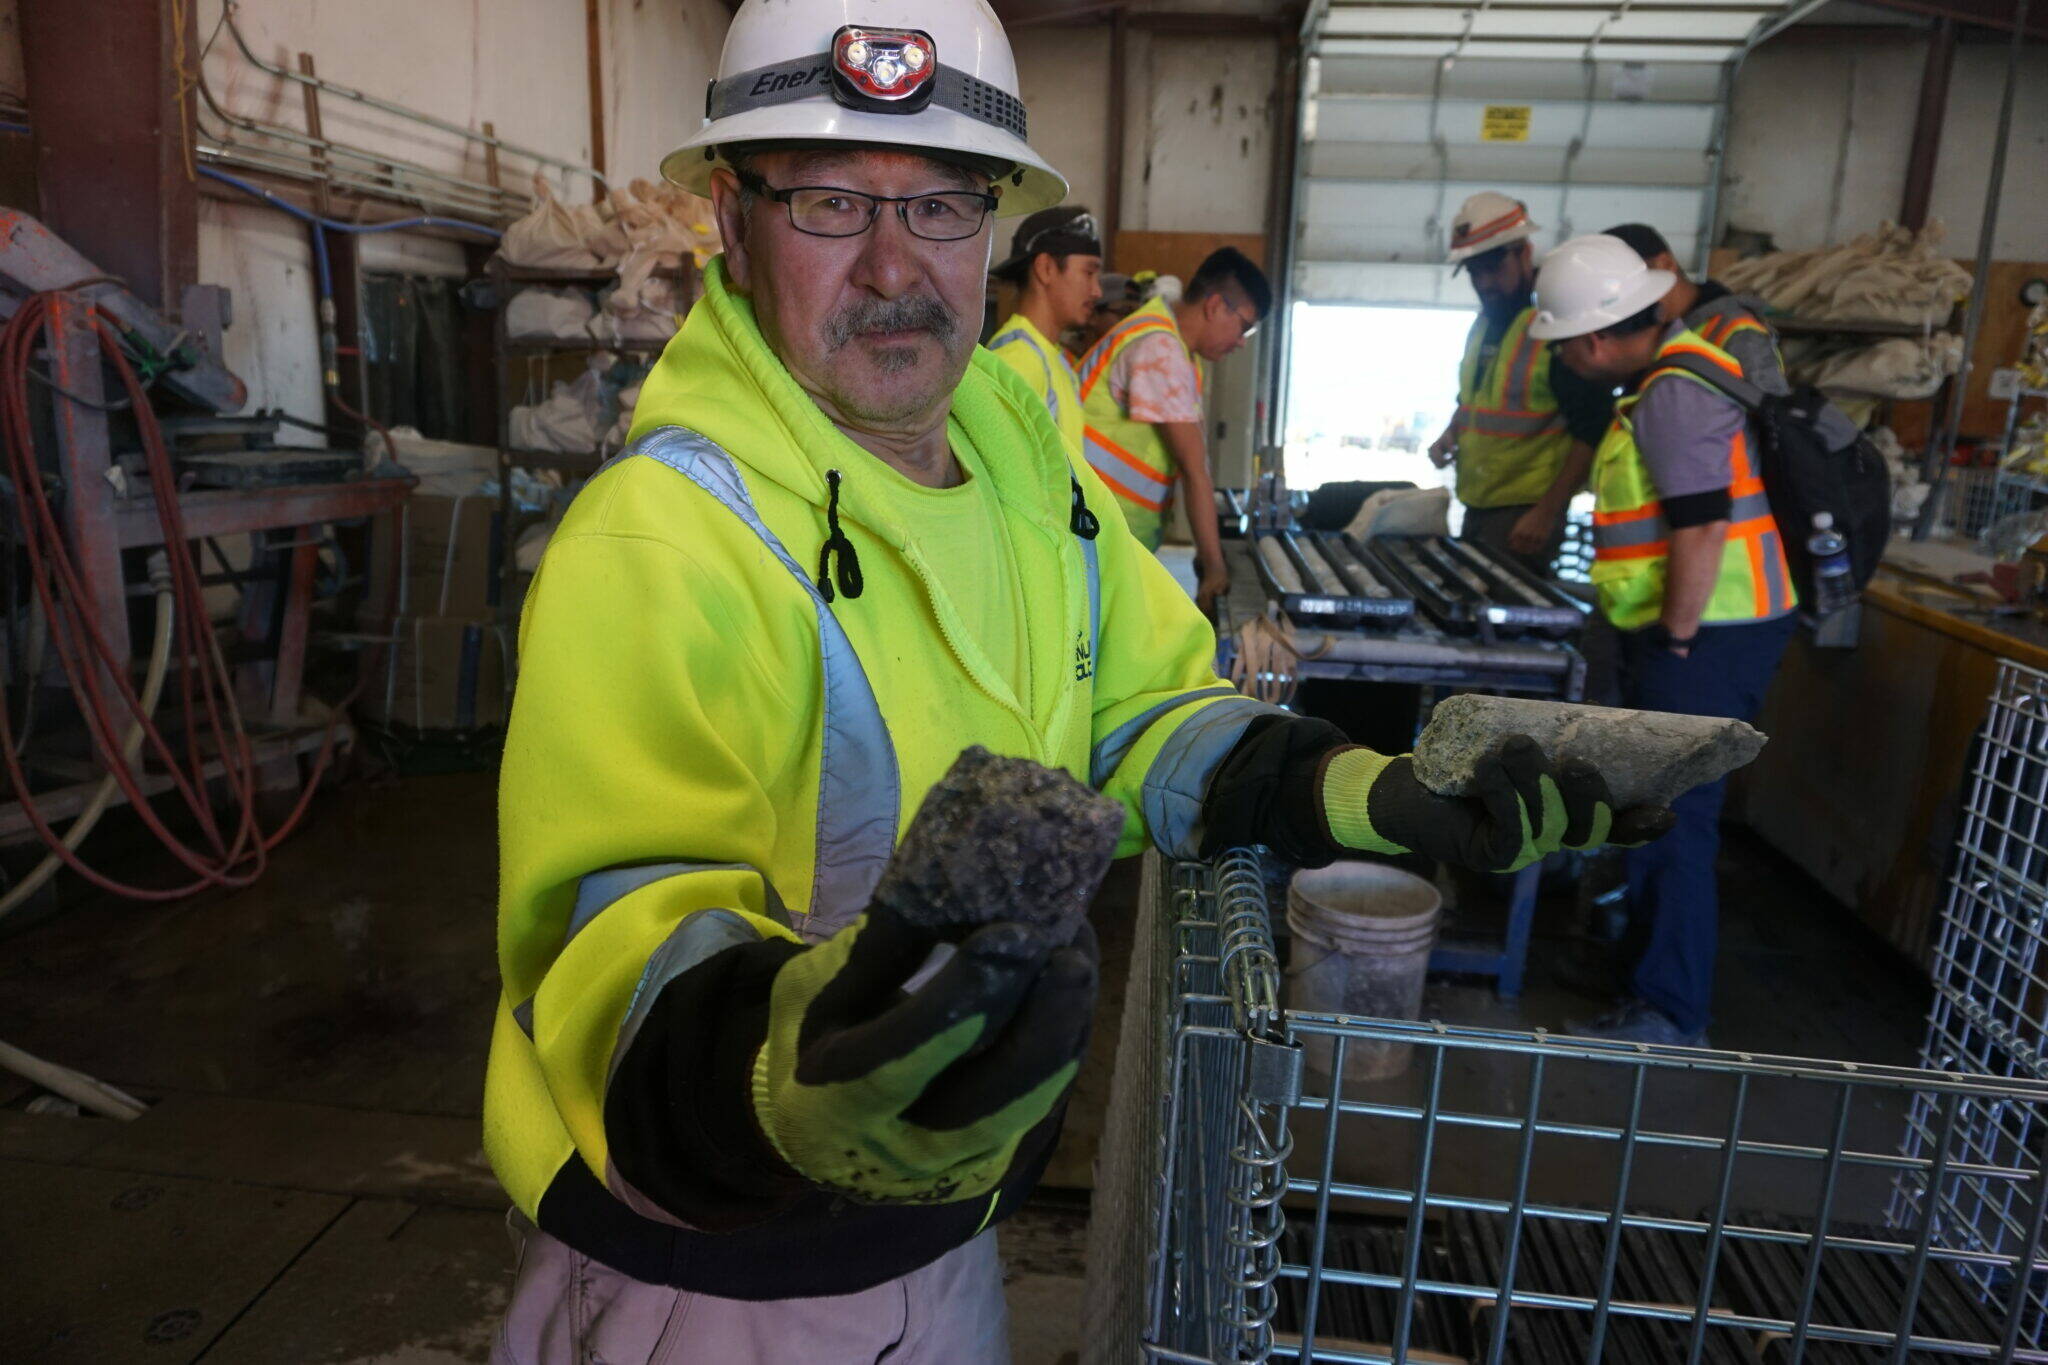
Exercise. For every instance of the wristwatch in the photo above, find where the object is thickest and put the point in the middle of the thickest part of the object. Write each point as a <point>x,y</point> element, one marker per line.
<point>1662,638</point>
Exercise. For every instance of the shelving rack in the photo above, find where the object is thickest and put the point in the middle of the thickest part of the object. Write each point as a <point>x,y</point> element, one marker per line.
<point>533,354</point>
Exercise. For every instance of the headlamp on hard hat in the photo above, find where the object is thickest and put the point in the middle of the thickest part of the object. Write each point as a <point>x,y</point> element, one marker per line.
<point>884,70</point>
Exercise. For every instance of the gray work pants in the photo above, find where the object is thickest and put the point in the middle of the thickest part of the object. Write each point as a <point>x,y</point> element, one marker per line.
<point>570,1310</point>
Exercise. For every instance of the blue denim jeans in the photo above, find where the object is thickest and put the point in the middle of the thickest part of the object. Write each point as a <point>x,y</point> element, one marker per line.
<point>1673,900</point>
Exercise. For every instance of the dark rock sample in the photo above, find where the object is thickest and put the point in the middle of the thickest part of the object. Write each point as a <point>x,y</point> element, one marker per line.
<point>1002,839</point>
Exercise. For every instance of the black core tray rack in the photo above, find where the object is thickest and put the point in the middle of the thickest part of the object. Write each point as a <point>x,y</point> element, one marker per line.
<point>1467,589</point>
<point>1342,587</point>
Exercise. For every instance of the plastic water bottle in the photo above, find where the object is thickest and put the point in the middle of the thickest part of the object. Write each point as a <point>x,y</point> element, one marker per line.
<point>1834,582</point>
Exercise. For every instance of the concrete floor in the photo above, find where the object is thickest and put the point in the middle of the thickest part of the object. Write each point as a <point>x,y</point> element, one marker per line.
<point>308,1187</point>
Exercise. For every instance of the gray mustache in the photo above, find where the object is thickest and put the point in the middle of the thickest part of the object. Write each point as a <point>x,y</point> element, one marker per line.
<point>891,315</point>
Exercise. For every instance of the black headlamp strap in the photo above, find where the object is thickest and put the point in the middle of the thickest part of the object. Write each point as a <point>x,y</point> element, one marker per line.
<point>803,77</point>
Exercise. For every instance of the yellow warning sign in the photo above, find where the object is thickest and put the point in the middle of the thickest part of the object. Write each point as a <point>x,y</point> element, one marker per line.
<point>1504,123</point>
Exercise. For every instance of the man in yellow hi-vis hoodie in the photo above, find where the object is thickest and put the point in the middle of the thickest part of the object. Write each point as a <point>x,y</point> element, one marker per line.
<point>741,1120</point>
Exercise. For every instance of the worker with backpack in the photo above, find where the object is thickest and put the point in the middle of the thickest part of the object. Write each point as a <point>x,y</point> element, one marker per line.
<point>1692,571</point>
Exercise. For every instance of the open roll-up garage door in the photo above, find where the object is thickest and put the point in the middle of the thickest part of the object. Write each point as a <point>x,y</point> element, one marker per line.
<point>1590,113</point>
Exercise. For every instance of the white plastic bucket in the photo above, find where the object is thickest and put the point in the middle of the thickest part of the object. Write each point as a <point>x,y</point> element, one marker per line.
<point>1363,933</point>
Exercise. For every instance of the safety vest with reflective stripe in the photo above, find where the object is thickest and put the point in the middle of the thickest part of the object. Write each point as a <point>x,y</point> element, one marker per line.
<point>1632,543</point>
<point>1130,456</point>
<point>704,752</point>
<point>1717,328</point>
<point>1512,439</point>
<point>1043,365</point>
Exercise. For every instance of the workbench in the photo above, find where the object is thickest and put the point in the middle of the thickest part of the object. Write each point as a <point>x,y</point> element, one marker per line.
<point>1418,653</point>
<point>1862,780</point>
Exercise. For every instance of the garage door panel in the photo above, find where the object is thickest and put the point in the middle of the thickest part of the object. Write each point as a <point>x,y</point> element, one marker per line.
<point>1538,49</point>
<point>1552,123</point>
<point>1380,74</point>
<point>1533,165</point>
<point>1579,24</point>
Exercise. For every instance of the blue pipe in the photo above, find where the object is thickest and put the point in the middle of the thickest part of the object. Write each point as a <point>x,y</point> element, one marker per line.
<point>320,260</point>
<point>322,267</point>
<point>15,128</point>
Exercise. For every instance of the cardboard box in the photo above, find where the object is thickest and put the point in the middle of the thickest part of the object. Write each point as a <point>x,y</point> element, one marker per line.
<point>442,673</point>
<point>448,557</point>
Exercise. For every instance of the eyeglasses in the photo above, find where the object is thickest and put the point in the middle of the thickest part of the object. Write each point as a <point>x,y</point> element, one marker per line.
<point>1246,327</point>
<point>828,211</point>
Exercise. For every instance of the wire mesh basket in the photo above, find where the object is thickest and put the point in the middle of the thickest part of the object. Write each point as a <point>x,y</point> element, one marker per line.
<point>1991,991</point>
<point>1517,1197</point>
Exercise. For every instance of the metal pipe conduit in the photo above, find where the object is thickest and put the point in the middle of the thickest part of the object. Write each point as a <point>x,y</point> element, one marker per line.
<point>349,93</point>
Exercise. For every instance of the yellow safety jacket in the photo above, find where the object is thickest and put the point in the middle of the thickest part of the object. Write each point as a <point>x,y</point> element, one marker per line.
<point>1512,438</point>
<point>707,749</point>
<point>1019,344</point>
<point>1130,456</point>
<point>1632,544</point>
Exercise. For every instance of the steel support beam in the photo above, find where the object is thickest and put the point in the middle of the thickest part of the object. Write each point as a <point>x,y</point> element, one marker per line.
<point>112,161</point>
<point>1939,454</point>
<point>1941,60</point>
<point>1119,83</point>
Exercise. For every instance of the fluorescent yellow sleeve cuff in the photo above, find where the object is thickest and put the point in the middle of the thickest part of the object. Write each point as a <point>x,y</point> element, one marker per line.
<point>1347,783</point>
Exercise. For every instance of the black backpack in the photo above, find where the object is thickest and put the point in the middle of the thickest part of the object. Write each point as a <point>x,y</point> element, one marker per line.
<point>1806,470</point>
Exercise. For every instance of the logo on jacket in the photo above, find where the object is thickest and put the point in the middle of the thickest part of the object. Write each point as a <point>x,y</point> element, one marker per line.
<point>1084,659</point>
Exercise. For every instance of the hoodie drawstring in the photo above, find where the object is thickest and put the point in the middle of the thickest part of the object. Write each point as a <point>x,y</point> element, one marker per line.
<point>836,544</point>
<point>1083,522</point>
<point>837,557</point>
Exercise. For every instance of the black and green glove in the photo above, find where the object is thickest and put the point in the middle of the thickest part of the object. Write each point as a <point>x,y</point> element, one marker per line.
<point>922,1096</point>
<point>1519,810</point>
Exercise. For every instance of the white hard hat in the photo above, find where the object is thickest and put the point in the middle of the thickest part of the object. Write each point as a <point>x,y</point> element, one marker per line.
<point>928,75</point>
<point>1485,221</point>
<point>1592,282</point>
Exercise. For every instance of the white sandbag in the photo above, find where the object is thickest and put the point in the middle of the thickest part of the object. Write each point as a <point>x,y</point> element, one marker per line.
<point>1403,512</point>
<point>575,417</point>
<point>1898,367</point>
<point>447,469</point>
<point>543,312</point>
<point>1890,275</point>
<point>552,235</point>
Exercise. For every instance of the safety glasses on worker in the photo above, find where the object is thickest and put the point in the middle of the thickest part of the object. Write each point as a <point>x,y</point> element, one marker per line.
<point>829,211</point>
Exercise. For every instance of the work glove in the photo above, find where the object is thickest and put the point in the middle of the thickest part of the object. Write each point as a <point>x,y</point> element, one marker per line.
<point>1520,809</point>
<point>919,1097</point>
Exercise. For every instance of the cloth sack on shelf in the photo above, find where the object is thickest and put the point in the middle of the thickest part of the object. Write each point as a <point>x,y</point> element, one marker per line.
<point>446,469</point>
<point>1890,275</point>
<point>1899,367</point>
<point>553,235</point>
<point>665,226</point>
<point>540,311</point>
<point>575,417</point>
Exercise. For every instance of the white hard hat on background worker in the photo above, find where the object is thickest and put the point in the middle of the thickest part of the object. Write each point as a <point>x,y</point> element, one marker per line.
<point>1593,282</point>
<point>1485,222</point>
<point>847,71</point>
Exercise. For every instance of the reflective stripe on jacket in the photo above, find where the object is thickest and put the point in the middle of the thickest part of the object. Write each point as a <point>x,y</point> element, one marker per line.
<point>1043,365</point>
<point>705,752</point>
<point>1128,455</point>
<point>1512,438</point>
<point>1632,544</point>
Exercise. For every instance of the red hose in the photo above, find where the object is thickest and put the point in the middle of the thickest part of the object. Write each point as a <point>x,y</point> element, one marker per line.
<point>230,858</point>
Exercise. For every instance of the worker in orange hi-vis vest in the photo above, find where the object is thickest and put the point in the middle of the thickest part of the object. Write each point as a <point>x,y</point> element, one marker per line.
<point>1526,427</point>
<point>1141,393</point>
